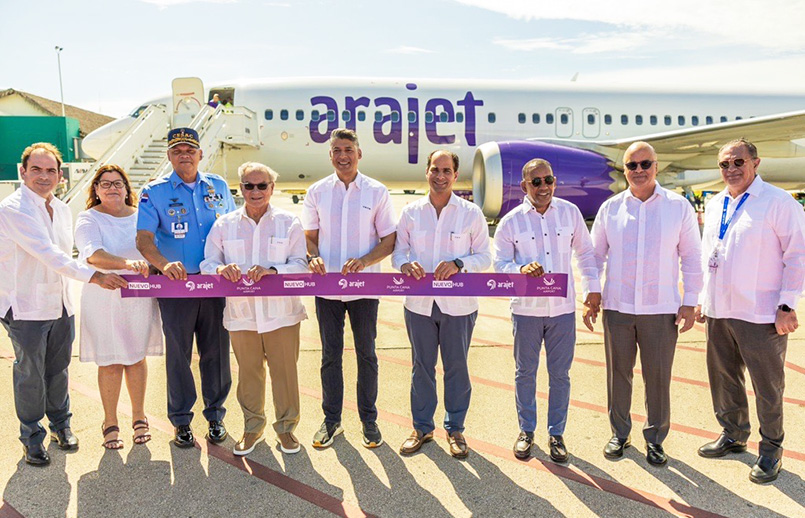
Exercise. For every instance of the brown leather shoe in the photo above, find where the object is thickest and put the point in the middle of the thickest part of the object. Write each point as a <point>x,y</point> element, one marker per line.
<point>458,445</point>
<point>414,442</point>
<point>288,443</point>
<point>246,445</point>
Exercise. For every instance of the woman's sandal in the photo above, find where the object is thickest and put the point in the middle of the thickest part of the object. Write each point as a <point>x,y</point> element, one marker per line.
<point>141,424</point>
<point>111,444</point>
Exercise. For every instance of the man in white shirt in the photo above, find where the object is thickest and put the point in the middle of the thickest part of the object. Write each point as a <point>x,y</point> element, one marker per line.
<point>536,238</point>
<point>753,252</point>
<point>37,235</point>
<point>440,234</point>
<point>645,236</point>
<point>258,240</point>
<point>349,227</point>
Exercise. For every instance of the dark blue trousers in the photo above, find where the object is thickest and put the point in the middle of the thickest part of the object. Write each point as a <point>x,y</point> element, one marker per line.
<point>42,351</point>
<point>183,319</point>
<point>363,320</point>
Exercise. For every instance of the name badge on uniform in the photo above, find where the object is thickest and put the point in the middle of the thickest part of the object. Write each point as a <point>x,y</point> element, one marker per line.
<point>179,229</point>
<point>712,262</point>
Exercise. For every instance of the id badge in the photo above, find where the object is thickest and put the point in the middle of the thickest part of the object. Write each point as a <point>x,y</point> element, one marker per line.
<point>179,229</point>
<point>715,258</point>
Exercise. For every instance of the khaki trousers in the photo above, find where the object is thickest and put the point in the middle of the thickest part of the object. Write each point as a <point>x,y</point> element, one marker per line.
<point>280,349</point>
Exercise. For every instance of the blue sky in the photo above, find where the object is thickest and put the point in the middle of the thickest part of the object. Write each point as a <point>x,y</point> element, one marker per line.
<point>120,52</point>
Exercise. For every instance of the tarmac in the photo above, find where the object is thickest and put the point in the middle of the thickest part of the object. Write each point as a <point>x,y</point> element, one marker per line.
<point>158,479</point>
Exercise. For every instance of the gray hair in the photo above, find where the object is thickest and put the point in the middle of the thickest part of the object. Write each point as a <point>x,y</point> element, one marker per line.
<point>346,134</point>
<point>738,142</point>
<point>248,167</point>
<point>536,163</point>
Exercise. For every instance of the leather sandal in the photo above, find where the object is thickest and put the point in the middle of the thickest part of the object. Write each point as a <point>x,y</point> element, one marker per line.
<point>142,438</point>
<point>111,444</point>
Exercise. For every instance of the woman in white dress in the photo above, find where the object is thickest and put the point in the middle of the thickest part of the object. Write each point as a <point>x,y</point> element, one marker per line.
<point>116,333</point>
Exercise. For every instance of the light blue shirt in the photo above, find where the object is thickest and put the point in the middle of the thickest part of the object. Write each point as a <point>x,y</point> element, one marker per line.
<point>181,218</point>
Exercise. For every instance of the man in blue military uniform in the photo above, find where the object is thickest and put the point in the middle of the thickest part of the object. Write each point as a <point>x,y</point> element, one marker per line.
<point>174,217</point>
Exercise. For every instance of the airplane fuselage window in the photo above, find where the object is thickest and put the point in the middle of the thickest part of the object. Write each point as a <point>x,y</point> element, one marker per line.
<point>330,115</point>
<point>395,116</point>
<point>300,115</point>
<point>428,117</point>
<point>694,119</point>
<point>638,119</point>
<point>411,116</point>
<point>491,117</point>
<point>708,119</point>
<point>590,118</point>
<point>284,115</point>
<point>443,117</point>
<point>681,120</point>
<point>723,119</point>
<point>607,119</point>
<point>521,118</point>
<point>269,114</point>
<point>459,117</point>
<point>378,116</point>
<point>652,120</point>
<point>361,115</point>
<point>346,115</point>
<point>624,120</point>
<point>563,118</point>
<point>738,118</point>
<point>535,118</point>
<point>315,116</point>
<point>549,118</point>
<point>667,120</point>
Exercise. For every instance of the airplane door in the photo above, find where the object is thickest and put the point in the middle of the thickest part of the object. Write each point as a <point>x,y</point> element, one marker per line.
<point>590,122</point>
<point>188,98</point>
<point>564,122</point>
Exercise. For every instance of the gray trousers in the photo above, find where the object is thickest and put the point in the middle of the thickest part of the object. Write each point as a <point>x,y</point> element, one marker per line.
<point>732,346</point>
<point>655,335</point>
<point>42,350</point>
<point>452,336</point>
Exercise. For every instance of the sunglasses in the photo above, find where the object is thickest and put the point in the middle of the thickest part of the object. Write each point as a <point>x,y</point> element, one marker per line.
<point>549,180</point>
<point>644,165</point>
<point>250,186</point>
<point>739,162</point>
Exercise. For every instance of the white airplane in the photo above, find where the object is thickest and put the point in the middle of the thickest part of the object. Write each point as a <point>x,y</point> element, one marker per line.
<point>493,126</point>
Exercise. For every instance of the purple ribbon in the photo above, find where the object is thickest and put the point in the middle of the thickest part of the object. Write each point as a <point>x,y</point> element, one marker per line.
<point>355,284</point>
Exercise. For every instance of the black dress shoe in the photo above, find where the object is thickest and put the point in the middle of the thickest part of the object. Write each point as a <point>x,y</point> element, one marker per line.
<point>655,454</point>
<point>66,439</point>
<point>765,469</point>
<point>558,451</point>
<point>217,432</point>
<point>183,436</point>
<point>615,446</point>
<point>36,455</point>
<point>722,446</point>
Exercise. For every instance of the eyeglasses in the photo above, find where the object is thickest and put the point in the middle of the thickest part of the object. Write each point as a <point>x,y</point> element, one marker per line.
<point>250,186</point>
<point>106,184</point>
<point>644,165</point>
<point>537,181</point>
<point>739,162</point>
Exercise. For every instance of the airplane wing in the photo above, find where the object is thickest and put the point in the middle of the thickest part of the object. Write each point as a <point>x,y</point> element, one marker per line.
<point>696,148</point>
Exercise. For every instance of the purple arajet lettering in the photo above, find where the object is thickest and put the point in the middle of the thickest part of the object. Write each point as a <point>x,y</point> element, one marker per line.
<point>469,103</point>
<point>413,127</point>
<point>430,127</point>
<point>395,134</point>
<point>330,104</point>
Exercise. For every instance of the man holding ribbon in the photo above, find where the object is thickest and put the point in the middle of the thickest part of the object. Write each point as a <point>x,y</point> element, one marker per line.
<point>539,237</point>
<point>349,228</point>
<point>440,234</point>
<point>644,236</point>
<point>175,215</point>
<point>754,255</point>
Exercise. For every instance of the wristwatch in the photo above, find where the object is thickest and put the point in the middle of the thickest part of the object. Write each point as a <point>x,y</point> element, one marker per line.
<point>786,308</point>
<point>310,258</point>
<point>459,263</point>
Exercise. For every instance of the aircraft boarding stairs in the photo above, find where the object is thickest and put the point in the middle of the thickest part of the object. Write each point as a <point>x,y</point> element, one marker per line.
<point>142,150</point>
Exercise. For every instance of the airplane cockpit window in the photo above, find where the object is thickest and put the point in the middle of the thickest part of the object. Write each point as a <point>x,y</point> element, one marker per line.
<point>521,118</point>
<point>346,116</point>
<point>300,115</point>
<point>269,114</point>
<point>491,117</point>
<point>535,118</point>
<point>138,111</point>
<point>638,119</point>
<point>681,120</point>
<point>667,120</point>
<point>694,119</point>
<point>284,115</point>
<point>624,120</point>
<point>652,120</point>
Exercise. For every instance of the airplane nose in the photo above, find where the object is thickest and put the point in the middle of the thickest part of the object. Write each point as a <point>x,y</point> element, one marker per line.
<point>102,139</point>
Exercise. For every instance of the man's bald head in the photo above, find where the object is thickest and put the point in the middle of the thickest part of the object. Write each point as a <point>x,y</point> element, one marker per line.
<point>639,146</point>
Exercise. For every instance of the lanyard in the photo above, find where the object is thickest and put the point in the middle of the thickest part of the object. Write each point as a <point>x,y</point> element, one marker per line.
<point>726,223</point>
